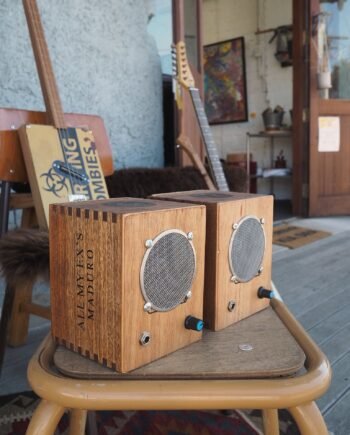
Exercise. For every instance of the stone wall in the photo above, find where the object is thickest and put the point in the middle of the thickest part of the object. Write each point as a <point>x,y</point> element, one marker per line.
<point>105,63</point>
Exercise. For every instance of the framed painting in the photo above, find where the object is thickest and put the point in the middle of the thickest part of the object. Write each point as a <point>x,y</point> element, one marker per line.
<point>225,82</point>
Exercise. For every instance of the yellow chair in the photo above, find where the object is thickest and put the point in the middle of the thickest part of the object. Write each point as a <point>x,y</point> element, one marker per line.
<point>264,362</point>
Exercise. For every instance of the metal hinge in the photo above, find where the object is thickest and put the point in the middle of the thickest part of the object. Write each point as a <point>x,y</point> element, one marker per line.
<point>305,191</point>
<point>306,114</point>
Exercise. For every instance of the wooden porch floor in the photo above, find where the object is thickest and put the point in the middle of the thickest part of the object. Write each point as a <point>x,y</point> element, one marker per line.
<point>314,282</point>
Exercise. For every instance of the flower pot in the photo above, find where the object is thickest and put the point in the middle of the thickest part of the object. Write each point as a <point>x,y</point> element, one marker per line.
<point>272,120</point>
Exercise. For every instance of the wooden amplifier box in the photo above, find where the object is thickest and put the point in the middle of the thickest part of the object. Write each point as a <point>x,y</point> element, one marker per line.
<point>238,252</point>
<point>126,274</point>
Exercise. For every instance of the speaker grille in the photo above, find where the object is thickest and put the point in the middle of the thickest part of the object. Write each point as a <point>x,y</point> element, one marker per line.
<point>247,248</point>
<point>167,270</point>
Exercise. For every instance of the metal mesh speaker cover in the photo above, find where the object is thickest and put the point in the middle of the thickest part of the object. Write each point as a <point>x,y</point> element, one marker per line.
<point>247,248</point>
<point>167,270</point>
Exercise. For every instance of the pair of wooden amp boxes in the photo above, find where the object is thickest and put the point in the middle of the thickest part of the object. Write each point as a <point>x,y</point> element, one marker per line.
<point>135,279</point>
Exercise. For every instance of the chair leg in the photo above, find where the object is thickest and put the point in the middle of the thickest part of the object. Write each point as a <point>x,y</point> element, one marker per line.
<point>4,321</point>
<point>77,421</point>
<point>8,297</point>
<point>91,423</point>
<point>45,419</point>
<point>270,420</point>
<point>19,320</point>
<point>309,419</point>
<point>4,206</point>
<point>28,218</point>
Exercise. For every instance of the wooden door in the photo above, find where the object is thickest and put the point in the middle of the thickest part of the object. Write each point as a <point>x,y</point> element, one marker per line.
<point>329,171</point>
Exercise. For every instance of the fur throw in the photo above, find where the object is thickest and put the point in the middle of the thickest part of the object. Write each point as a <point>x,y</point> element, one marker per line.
<point>24,255</point>
<point>143,182</point>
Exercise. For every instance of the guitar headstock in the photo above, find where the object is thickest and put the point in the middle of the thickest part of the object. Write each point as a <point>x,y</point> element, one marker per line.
<point>180,65</point>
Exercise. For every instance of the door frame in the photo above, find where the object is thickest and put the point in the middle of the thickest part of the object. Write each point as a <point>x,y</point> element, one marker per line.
<point>301,107</point>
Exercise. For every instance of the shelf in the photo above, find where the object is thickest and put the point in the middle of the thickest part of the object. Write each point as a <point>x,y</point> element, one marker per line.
<point>276,133</point>
<point>271,173</point>
<point>276,172</point>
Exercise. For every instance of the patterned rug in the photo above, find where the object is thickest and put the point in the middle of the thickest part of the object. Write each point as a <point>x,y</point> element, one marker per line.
<point>16,411</point>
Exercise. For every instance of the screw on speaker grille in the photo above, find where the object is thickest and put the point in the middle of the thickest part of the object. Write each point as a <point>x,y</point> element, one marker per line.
<point>247,248</point>
<point>167,271</point>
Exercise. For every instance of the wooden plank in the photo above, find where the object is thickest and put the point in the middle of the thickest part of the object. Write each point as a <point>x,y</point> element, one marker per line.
<point>340,384</point>
<point>297,275</point>
<point>336,347</point>
<point>314,255</point>
<point>330,326</point>
<point>305,295</point>
<point>338,417</point>
<point>306,271</point>
<point>323,309</point>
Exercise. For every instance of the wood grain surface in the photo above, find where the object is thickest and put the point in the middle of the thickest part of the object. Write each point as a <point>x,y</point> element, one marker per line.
<point>75,150</point>
<point>218,355</point>
<point>96,252</point>
<point>12,167</point>
<point>223,210</point>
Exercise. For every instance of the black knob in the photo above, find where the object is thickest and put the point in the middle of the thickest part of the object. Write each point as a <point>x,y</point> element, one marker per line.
<point>265,293</point>
<point>194,323</point>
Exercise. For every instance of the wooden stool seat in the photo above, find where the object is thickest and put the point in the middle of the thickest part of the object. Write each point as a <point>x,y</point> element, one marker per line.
<point>212,374</point>
<point>274,352</point>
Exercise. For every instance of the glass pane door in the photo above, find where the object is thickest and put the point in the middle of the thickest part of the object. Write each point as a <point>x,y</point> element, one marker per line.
<point>336,14</point>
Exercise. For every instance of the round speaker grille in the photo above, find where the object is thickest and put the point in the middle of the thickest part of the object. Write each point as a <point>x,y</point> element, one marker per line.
<point>247,248</point>
<point>167,270</point>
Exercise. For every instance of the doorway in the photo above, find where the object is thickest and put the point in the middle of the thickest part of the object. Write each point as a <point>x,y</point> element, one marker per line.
<point>322,119</point>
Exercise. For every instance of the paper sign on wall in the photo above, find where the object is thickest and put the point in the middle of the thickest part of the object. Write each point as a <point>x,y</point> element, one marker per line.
<point>328,133</point>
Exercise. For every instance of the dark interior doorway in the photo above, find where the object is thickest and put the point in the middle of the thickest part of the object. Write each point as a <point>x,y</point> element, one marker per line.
<point>168,121</point>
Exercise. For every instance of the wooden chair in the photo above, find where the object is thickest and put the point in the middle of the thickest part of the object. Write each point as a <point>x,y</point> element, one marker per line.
<point>18,305</point>
<point>214,373</point>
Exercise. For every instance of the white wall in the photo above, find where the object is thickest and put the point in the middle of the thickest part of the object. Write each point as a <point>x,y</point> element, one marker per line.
<point>105,63</point>
<point>268,84</point>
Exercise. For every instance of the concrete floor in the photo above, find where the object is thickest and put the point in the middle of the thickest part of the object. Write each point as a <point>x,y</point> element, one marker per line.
<point>314,282</point>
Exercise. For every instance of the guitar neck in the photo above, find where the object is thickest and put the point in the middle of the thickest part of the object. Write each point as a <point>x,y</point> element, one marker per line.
<point>41,53</point>
<point>212,154</point>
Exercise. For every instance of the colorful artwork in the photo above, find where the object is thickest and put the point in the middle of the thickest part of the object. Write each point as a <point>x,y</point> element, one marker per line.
<point>224,82</point>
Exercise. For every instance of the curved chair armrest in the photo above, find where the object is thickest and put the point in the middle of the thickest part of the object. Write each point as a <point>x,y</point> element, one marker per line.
<point>185,394</point>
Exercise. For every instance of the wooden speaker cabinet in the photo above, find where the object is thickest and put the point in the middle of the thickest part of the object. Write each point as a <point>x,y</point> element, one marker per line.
<point>125,275</point>
<point>238,252</point>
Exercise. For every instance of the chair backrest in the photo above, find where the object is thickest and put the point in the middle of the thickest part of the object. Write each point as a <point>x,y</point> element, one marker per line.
<point>12,166</point>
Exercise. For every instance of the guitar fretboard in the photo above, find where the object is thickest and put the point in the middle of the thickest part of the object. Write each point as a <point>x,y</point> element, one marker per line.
<point>213,157</point>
